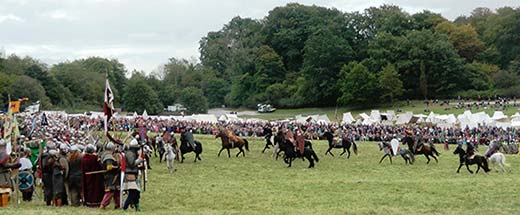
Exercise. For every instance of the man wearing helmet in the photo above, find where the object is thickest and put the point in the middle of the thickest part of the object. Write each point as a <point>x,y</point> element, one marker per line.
<point>132,161</point>
<point>5,176</point>
<point>110,161</point>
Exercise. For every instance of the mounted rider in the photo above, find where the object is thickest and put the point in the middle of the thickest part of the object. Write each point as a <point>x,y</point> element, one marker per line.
<point>188,136</point>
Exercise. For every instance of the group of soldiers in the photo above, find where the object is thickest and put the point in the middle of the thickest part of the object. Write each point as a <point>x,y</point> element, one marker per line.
<point>75,174</point>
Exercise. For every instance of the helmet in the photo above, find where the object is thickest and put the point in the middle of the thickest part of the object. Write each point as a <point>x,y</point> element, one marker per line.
<point>110,146</point>
<point>133,143</point>
<point>74,148</point>
<point>90,148</point>
<point>50,146</point>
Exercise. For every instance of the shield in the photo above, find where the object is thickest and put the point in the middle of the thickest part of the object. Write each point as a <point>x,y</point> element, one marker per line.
<point>25,180</point>
<point>395,145</point>
<point>190,139</point>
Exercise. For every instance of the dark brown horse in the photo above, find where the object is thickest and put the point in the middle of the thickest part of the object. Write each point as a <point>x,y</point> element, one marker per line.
<point>424,149</point>
<point>230,141</point>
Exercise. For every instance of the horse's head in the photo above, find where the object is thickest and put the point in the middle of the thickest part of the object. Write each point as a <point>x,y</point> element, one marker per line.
<point>459,150</point>
<point>381,145</point>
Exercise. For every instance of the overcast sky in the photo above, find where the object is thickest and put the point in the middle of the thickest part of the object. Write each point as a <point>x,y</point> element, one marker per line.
<point>144,34</point>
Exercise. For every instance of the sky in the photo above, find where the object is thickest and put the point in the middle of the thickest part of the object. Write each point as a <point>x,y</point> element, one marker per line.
<point>144,34</point>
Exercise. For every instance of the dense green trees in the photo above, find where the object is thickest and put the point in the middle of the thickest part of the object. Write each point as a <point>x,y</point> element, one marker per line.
<point>300,56</point>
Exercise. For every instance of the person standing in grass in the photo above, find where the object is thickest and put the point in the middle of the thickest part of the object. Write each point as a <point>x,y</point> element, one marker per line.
<point>110,161</point>
<point>130,185</point>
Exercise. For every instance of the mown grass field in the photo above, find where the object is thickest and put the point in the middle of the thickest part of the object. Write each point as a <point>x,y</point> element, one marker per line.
<point>257,184</point>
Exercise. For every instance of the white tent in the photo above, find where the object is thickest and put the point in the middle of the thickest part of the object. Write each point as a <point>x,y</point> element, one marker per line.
<point>348,118</point>
<point>145,114</point>
<point>135,115</point>
<point>233,118</point>
<point>323,119</point>
<point>222,118</point>
<point>499,116</point>
<point>205,118</point>
<point>404,118</point>
<point>375,116</point>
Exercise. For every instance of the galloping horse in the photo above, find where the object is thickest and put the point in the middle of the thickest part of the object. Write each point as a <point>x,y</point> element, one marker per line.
<point>425,149</point>
<point>280,147</point>
<point>230,141</point>
<point>345,144</point>
<point>291,153</point>
<point>481,161</point>
<point>387,149</point>
<point>187,147</point>
<point>268,134</point>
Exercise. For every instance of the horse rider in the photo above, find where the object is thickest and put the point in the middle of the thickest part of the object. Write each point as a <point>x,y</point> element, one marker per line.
<point>338,135</point>
<point>6,166</point>
<point>188,136</point>
<point>133,161</point>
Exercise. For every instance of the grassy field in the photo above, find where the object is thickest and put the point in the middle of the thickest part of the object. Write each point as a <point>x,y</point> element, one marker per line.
<point>417,107</point>
<point>257,184</point>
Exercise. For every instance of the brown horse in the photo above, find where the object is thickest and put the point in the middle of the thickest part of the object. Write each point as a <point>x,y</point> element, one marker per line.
<point>230,141</point>
<point>426,150</point>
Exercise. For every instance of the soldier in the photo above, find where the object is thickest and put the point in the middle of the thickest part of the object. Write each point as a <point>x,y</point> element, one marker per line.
<point>132,160</point>
<point>74,177</point>
<point>110,161</point>
<point>47,170</point>
<point>26,166</point>
<point>5,175</point>
<point>60,168</point>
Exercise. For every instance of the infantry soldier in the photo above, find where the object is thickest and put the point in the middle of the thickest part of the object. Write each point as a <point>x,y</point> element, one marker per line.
<point>5,175</point>
<point>132,161</point>
<point>110,161</point>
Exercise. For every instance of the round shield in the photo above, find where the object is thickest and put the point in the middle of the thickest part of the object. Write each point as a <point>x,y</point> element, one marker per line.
<point>25,180</point>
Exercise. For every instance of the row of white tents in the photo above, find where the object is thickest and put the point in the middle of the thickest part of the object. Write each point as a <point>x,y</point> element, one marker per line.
<point>466,119</point>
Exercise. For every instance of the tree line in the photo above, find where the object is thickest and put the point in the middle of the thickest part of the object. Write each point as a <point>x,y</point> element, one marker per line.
<point>300,56</point>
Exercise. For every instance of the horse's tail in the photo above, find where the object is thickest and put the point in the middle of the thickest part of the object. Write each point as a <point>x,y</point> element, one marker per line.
<point>355,147</point>
<point>504,160</point>
<point>485,164</point>
<point>434,150</point>
<point>246,144</point>
<point>315,156</point>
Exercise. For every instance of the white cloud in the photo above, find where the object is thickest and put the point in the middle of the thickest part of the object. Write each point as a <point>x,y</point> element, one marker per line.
<point>11,17</point>
<point>60,15</point>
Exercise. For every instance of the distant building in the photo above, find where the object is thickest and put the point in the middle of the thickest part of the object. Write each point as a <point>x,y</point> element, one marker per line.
<point>176,108</point>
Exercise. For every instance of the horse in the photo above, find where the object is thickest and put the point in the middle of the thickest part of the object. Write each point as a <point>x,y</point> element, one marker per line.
<point>345,144</point>
<point>186,147</point>
<point>481,161</point>
<point>405,153</point>
<point>269,139</point>
<point>227,143</point>
<point>169,158</point>
<point>426,150</point>
<point>279,147</point>
<point>498,159</point>
<point>291,153</point>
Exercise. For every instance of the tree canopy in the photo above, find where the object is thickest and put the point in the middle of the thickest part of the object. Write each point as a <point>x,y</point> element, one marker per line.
<point>299,56</point>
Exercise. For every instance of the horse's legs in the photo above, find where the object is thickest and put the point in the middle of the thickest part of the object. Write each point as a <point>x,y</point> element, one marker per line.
<point>311,161</point>
<point>458,169</point>
<point>390,157</point>
<point>240,151</point>
<point>182,156</point>
<point>328,151</point>
<point>425,155</point>
<point>221,149</point>
<point>382,158</point>
<point>348,150</point>
<point>467,167</point>
<point>344,151</point>
<point>198,157</point>
<point>228,153</point>
<point>436,161</point>
<point>478,167</point>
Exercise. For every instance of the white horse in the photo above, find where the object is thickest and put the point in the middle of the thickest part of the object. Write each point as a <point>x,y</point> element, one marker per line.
<point>500,159</point>
<point>170,157</point>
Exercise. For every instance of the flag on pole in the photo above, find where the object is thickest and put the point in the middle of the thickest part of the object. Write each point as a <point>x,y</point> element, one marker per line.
<point>8,128</point>
<point>108,105</point>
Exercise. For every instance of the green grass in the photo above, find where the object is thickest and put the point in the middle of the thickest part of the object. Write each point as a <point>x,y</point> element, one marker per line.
<point>417,107</point>
<point>257,184</point>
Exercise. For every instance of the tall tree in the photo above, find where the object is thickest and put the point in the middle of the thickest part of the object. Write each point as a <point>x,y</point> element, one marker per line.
<point>389,84</point>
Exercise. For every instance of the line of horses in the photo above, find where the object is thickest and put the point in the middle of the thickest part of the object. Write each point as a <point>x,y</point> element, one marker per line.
<point>290,152</point>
